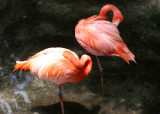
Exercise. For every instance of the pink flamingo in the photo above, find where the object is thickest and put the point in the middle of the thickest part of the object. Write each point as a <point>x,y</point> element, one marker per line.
<point>58,65</point>
<point>102,38</point>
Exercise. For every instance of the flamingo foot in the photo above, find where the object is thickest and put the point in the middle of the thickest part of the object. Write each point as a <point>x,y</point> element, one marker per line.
<point>61,98</point>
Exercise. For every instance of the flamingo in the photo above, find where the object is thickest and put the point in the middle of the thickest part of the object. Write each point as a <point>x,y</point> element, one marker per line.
<point>102,38</point>
<point>58,65</point>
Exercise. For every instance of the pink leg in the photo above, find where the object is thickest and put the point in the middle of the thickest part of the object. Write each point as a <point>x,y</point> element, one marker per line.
<point>61,98</point>
<point>101,74</point>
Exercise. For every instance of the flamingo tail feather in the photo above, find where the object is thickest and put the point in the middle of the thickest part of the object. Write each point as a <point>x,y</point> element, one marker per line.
<point>125,53</point>
<point>21,65</point>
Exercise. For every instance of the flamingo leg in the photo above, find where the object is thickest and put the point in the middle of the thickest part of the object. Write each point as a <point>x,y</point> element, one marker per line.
<point>61,98</point>
<point>101,74</point>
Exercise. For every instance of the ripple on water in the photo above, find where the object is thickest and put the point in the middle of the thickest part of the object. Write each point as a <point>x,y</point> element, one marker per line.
<point>16,104</point>
<point>5,107</point>
<point>24,95</point>
<point>1,71</point>
<point>25,83</point>
<point>12,55</point>
<point>13,78</point>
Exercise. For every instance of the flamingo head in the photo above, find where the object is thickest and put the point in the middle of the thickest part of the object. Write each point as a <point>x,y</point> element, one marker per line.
<point>117,18</point>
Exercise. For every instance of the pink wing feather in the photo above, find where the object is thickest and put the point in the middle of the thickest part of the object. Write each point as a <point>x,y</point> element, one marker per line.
<point>50,64</point>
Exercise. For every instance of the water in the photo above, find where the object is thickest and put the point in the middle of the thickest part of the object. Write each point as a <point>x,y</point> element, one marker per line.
<point>27,27</point>
<point>24,95</point>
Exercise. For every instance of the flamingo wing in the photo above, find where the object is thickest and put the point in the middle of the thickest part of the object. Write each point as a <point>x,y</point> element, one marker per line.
<point>101,38</point>
<point>50,64</point>
<point>98,37</point>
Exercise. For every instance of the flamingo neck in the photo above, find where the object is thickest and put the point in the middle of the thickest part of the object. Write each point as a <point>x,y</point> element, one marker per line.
<point>86,63</point>
<point>79,63</point>
<point>117,15</point>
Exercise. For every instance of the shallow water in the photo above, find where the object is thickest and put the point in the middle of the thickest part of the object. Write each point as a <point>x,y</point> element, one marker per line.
<point>27,27</point>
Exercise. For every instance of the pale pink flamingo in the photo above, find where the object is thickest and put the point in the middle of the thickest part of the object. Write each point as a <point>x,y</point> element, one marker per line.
<point>102,38</point>
<point>58,65</point>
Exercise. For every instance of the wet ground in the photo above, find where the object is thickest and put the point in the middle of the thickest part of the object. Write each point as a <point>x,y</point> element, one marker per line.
<point>27,27</point>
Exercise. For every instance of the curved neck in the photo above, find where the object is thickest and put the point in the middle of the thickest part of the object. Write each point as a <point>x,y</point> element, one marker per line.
<point>84,64</point>
<point>87,63</point>
<point>117,15</point>
<point>71,57</point>
<point>79,63</point>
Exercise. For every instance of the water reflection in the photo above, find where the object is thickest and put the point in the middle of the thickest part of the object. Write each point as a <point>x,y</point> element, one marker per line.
<point>6,43</point>
<point>13,78</point>
<point>7,103</point>
<point>5,106</point>
<point>12,55</point>
<point>1,71</point>
<point>16,104</point>
<point>24,95</point>
<point>24,83</point>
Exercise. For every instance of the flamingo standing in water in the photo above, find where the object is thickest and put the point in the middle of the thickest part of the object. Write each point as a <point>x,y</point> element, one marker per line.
<point>58,65</point>
<point>102,38</point>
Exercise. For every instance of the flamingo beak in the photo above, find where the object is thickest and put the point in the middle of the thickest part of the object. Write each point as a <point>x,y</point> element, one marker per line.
<point>116,22</point>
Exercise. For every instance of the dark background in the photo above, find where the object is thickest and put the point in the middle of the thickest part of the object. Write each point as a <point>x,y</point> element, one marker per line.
<point>28,26</point>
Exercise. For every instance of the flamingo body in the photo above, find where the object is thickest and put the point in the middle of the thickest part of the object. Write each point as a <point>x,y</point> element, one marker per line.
<point>59,65</point>
<point>101,37</point>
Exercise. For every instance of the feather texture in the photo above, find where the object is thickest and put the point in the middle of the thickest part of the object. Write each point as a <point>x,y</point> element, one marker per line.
<point>101,38</point>
<point>58,65</point>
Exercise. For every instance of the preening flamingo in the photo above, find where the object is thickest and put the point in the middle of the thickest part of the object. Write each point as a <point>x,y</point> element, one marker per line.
<point>58,65</point>
<point>101,37</point>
